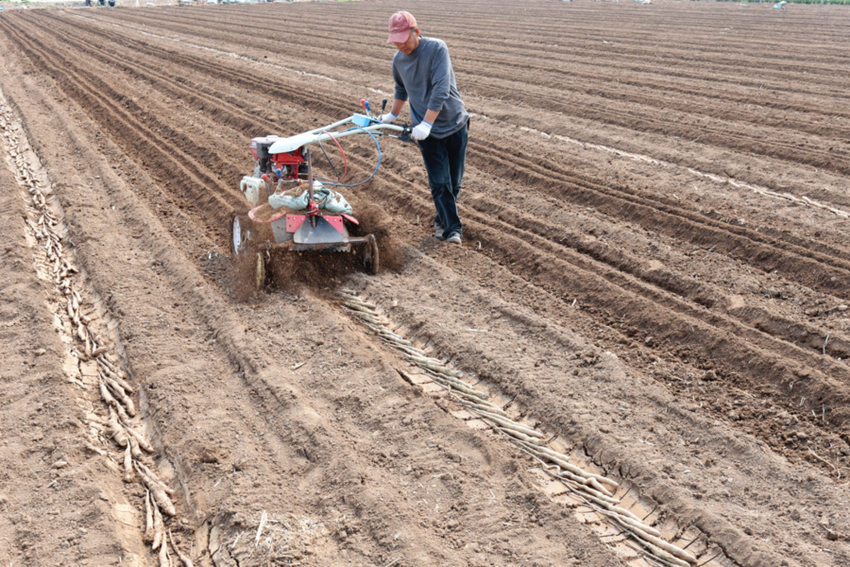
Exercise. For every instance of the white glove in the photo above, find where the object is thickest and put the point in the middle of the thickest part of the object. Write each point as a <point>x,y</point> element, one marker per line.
<point>422,131</point>
<point>388,118</point>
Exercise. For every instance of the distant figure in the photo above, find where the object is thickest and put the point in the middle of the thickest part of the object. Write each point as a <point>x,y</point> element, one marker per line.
<point>779,5</point>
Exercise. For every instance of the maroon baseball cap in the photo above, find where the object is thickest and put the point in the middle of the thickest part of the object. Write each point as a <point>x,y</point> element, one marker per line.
<point>400,25</point>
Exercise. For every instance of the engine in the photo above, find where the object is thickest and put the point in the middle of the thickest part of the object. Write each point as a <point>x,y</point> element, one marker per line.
<point>286,165</point>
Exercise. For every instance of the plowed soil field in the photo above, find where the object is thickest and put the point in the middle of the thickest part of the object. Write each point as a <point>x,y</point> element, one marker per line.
<point>653,282</point>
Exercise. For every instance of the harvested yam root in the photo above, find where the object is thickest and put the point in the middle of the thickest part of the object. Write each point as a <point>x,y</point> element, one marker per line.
<point>160,497</point>
<point>134,447</point>
<point>158,527</point>
<point>183,559</point>
<point>115,431</point>
<point>120,394</point>
<point>104,392</point>
<point>673,550</point>
<point>129,475</point>
<point>518,435</point>
<point>164,559</point>
<point>358,303</point>
<point>143,443</point>
<point>508,423</point>
<point>154,478</point>
<point>109,370</point>
<point>149,532</point>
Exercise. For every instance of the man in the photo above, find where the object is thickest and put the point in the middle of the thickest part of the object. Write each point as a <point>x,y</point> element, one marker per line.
<point>423,73</point>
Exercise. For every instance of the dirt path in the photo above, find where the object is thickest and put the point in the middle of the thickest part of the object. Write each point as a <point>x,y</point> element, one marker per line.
<point>648,275</point>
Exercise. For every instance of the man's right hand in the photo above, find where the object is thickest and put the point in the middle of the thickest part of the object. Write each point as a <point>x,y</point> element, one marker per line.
<point>388,118</point>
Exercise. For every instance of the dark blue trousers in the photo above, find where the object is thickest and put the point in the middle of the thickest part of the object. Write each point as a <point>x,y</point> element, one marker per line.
<point>445,160</point>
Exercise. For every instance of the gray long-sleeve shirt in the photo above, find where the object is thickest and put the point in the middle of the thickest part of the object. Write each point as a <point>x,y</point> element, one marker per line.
<point>427,79</point>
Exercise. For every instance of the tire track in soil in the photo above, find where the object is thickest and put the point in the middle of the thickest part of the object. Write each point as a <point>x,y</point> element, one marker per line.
<point>566,53</point>
<point>91,364</point>
<point>682,286</point>
<point>165,410</point>
<point>663,216</point>
<point>236,115</point>
<point>799,266</point>
<point>362,46</point>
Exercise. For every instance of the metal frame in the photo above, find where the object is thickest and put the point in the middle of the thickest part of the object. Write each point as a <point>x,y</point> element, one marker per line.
<point>291,245</point>
<point>285,145</point>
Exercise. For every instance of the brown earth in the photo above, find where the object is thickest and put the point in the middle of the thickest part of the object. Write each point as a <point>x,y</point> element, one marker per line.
<point>645,272</point>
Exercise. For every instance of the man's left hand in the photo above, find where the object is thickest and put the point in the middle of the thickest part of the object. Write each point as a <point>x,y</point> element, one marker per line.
<point>422,131</point>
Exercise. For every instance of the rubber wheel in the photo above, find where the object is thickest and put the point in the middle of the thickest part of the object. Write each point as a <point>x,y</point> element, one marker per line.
<point>239,235</point>
<point>372,258</point>
<point>260,271</point>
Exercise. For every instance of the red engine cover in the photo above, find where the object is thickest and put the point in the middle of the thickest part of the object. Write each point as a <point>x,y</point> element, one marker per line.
<point>289,158</point>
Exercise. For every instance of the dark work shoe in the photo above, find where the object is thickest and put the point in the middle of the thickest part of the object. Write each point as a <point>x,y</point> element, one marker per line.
<point>438,231</point>
<point>454,238</point>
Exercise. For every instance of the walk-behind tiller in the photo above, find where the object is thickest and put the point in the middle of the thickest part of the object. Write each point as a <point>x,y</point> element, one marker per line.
<point>302,213</point>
